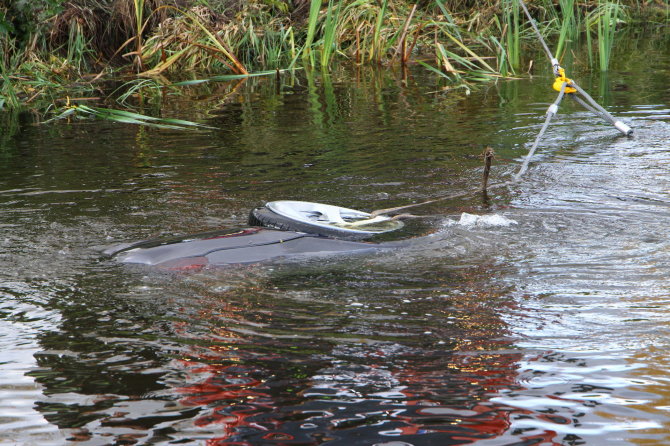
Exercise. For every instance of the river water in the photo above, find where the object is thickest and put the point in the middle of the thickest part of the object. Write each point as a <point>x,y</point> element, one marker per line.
<point>533,316</point>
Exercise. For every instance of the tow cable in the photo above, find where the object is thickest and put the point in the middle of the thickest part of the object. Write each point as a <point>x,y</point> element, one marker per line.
<point>564,86</point>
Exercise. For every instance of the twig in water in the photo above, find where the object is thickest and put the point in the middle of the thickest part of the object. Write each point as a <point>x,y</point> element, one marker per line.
<point>488,156</point>
<point>435,200</point>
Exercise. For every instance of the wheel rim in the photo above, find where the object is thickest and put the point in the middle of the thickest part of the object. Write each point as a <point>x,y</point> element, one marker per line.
<point>329,216</point>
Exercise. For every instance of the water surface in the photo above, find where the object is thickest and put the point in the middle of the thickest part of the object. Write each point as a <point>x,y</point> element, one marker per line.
<point>543,323</point>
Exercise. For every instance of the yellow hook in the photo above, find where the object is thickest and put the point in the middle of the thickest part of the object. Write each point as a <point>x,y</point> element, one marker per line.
<point>558,83</point>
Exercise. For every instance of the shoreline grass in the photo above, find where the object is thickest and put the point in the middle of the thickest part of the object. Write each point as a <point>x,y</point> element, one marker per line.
<point>72,48</point>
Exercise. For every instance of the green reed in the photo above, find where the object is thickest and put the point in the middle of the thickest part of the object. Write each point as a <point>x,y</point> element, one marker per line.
<point>503,65</point>
<point>570,28</point>
<point>276,48</point>
<point>225,78</point>
<point>314,9</point>
<point>605,19</point>
<point>77,47</point>
<point>378,47</point>
<point>139,14</point>
<point>512,35</point>
<point>329,28</point>
<point>470,41</point>
<point>607,23</point>
<point>355,27</point>
<point>138,88</point>
<point>7,64</point>
<point>126,117</point>
<point>459,58</point>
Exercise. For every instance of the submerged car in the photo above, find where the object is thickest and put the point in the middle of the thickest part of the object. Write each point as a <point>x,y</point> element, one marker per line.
<point>246,245</point>
<point>280,229</point>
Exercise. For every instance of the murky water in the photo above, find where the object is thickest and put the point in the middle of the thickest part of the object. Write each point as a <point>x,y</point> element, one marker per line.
<point>543,323</point>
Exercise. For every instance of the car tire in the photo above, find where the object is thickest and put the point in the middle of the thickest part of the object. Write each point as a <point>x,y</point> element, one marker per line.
<point>266,217</point>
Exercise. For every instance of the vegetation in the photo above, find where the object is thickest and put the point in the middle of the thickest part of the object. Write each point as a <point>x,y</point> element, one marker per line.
<point>54,52</point>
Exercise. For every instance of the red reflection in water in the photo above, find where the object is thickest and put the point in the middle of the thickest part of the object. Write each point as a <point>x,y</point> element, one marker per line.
<point>433,397</point>
<point>242,405</point>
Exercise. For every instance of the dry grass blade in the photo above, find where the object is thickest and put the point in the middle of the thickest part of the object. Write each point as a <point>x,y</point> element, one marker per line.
<point>470,52</point>
<point>185,36</point>
<point>402,46</point>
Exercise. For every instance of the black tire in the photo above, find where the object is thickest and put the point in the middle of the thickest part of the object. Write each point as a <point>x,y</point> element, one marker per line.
<point>266,218</point>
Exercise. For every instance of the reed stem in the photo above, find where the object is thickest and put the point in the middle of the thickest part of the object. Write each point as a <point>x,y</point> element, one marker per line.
<point>329,29</point>
<point>139,15</point>
<point>606,25</point>
<point>315,8</point>
<point>512,23</point>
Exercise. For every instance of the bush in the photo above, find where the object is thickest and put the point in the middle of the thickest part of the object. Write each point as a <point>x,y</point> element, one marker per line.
<point>19,19</point>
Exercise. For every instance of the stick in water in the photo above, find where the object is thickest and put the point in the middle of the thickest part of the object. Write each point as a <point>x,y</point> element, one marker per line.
<point>488,155</point>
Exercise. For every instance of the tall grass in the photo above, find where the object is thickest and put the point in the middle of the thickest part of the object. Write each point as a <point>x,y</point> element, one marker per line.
<point>512,35</point>
<point>139,28</point>
<point>607,17</point>
<point>277,48</point>
<point>569,25</point>
<point>471,55</point>
<point>329,29</point>
<point>315,8</point>
<point>78,47</point>
<point>469,41</point>
<point>7,95</point>
<point>378,45</point>
<point>186,41</point>
<point>502,57</point>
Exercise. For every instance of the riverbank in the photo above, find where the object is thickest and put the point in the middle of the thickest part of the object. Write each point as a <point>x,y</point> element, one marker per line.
<point>55,50</point>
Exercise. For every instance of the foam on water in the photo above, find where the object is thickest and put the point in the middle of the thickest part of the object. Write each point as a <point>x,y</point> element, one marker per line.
<point>490,220</point>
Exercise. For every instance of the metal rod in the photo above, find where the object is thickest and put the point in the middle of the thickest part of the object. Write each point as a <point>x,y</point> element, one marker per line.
<point>554,62</point>
<point>551,112</point>
<point>623,128</point>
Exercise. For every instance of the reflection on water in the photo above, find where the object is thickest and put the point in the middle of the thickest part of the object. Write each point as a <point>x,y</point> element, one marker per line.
<point>18,391</point>
<point>542,323</point>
